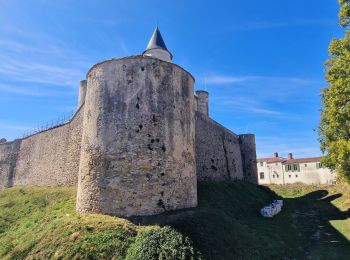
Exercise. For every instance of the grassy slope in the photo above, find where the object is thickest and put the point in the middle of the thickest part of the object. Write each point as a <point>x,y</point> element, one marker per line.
<point>42,223</point>
<point>227,223</point>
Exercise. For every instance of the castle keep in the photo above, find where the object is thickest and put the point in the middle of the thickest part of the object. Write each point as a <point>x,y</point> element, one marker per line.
<point>138,143</point>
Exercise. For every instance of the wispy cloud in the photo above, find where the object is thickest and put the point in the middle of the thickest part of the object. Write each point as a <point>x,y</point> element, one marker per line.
<point>26,91</point>
<point>263,88</point>
<point>266,25</point>
<point>275,105</point>
<point>225,79</point>
<point>222,80</point>
<point>40,58</point>
<point>265,111</point>
<point>300,146</point>
<point>28,71</point>
<point>245,104</point>
<point>13,126</point>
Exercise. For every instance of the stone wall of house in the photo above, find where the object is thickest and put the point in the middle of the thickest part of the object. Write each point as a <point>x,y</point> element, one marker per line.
<point>218,152</point>
<point>138,151</point>
<point>307,173</point>
<point>270,173</point>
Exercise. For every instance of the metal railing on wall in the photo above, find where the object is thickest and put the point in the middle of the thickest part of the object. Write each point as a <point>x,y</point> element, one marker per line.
<point>49,124</point>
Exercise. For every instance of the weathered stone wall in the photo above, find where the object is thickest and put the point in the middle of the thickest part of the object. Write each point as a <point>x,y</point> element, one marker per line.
<point>82,93</point>
<point>248,152</point>
<point>138,152</point>
<point>218,153</point>
<point>202,98</point>
<point>50,158</point>
<point>8,157</point>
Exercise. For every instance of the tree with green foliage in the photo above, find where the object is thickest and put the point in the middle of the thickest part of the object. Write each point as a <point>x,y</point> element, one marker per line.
<point>334,130</point>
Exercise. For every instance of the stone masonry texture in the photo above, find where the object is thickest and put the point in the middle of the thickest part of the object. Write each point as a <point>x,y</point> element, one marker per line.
<point>137,144</point>
<point>218,153</point>
<point>49,158</point>
<point>8,157</point>
<point>138,152</point>
<point>202,102</point>
<point>248,151</point>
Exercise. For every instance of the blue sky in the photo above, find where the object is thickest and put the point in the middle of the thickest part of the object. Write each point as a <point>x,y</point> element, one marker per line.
<point>261,61</point>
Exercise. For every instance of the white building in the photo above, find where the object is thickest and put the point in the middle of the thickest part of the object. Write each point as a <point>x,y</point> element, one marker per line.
<point>278,170</point>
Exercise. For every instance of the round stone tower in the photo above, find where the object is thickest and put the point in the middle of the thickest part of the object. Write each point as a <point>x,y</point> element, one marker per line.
<point>82,93</point>
<point>202,102</point>
<point>248,153</point>
<point>138,150</point>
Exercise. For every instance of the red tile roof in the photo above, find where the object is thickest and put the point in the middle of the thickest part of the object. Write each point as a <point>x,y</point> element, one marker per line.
<point>271,160</point>
<point>303,160</point>
<point>289,161</point>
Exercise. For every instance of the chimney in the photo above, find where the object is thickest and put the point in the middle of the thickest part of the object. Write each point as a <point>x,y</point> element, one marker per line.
<point>275,154</point>
<point>290,156</point>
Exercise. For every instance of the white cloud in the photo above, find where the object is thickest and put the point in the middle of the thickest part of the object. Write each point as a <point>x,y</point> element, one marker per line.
<point>247,104</point>
<point>40,58</point>
<point>13,126</point>
<point>266,90</point>
<point>26,91</point>
<point>28,71</point>
<point>221,80</point>
<point>300,146</point>
<point>266,25</point>
<point>227,79</point>
<point>31,91</point>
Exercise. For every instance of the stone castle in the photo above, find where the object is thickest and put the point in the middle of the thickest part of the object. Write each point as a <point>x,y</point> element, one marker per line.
<point>138,143</point>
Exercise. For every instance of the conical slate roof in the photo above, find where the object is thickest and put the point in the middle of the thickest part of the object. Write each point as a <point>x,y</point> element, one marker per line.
<point>157,42</point>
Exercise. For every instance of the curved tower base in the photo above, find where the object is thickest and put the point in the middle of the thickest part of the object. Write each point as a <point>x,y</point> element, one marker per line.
<point>138,152</point>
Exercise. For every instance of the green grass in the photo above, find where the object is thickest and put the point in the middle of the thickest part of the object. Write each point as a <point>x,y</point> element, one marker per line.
<point>314,222</point>
<point>41,223</point>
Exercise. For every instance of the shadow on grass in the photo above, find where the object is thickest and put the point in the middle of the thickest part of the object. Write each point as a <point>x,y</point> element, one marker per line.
<point>227,224</point>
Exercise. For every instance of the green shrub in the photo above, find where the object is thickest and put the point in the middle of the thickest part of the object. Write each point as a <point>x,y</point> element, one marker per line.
<point>103,244</point>
<point>161,243</point>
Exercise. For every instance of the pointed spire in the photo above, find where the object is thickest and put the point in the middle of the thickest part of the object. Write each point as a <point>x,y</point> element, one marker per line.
<point>157,48</point>
<point>156,41</point>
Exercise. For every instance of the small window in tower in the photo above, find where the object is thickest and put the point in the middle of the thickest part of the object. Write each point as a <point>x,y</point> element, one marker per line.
<point>262,176</point>
<point>296,175</point>
<point>305,164</point>
<point>290,176</point>
<point>261,164</point>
